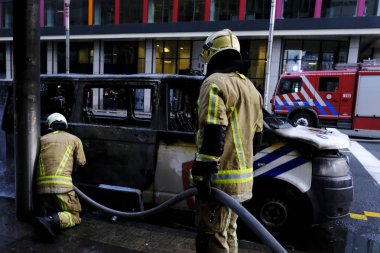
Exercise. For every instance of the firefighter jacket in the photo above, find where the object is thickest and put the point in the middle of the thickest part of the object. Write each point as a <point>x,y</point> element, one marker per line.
<point>231,100</point>
<point>59,151</point>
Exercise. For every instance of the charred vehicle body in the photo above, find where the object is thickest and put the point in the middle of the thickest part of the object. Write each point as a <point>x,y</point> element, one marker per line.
<point>138,133</point>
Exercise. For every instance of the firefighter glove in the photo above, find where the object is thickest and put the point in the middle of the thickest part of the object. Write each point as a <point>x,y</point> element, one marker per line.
<point>201,173</point>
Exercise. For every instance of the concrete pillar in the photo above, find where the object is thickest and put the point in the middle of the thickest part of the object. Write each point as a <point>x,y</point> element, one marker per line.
<point>353,51</point>
<point>97,63</point>
<point>50,57</point>
<point>196,63</point>
<point>150,59</point>
<point>8,61</point>
<point>275,70</point>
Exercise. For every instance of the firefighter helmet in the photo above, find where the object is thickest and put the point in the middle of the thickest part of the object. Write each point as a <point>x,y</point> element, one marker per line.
<point>218,42</point>
<point>56,118</point>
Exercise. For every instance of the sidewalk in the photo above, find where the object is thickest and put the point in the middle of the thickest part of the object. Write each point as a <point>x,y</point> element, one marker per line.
<point>362,134</point>
<point>96,234</point>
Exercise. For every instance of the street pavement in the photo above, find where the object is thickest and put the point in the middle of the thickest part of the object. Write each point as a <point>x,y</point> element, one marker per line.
<point>98,234</point>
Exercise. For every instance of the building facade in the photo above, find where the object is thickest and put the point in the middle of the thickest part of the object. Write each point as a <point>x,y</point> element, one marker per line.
<point>166,36</point>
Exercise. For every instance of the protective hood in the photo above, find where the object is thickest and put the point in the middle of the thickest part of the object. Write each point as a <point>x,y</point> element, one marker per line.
<point>329,138</point>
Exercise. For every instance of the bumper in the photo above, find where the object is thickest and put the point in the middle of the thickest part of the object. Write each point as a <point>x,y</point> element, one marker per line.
<point>331,197</point>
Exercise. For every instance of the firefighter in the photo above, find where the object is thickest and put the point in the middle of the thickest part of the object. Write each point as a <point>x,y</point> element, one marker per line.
<point>229,115</point>
<point>57,201</point>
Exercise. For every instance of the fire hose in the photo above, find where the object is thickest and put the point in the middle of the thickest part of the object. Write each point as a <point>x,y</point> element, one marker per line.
<point>219,195</point>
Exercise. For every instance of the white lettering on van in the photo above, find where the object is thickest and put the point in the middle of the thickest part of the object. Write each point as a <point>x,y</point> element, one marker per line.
<point>346,95</point>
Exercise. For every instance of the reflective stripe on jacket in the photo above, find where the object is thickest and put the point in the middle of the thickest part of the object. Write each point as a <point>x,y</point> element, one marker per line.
<point>59,151</point>
<point>231,100</point>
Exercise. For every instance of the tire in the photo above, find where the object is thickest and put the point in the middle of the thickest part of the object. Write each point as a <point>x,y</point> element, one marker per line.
<point>279,211</point>
<point>303,119</point>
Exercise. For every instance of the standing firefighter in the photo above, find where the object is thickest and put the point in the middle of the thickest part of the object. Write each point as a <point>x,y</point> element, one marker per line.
<point>229,113</point>
<point>60,151</point>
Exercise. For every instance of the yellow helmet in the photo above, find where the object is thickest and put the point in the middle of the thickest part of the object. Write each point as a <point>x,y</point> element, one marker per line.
<point>56,118</point>
<point>218,42</point>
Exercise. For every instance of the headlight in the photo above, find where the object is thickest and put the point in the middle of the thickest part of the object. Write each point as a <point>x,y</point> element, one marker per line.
<point>331,166</point>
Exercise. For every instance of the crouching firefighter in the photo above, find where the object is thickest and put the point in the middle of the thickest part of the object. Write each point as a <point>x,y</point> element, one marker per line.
<point>229,115</point>
<point>56,199</point>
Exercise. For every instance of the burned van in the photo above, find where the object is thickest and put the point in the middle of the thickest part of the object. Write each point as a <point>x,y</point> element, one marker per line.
<point>138,133</point>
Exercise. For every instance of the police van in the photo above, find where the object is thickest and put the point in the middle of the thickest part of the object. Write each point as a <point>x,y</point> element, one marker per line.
<point>138,133</point>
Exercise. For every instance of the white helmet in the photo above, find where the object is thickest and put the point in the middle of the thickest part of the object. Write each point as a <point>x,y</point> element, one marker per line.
<point>56,118</point>
<point>217,42</point>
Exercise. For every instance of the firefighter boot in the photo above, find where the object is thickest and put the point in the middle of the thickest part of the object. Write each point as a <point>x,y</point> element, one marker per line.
<point>47,227</point>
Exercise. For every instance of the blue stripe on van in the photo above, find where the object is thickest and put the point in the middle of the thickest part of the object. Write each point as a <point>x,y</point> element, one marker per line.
<point>272,156</point>
<point>284,167</point>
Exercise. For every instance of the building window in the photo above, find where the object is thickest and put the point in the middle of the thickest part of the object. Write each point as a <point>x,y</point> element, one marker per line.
<point>131,11</point>
<point>257,9</point>
<point>160,11</point>
<point>303,55</point>
<point>255,51</point>
<point>81,57</point>
<point>338,8</point>
<point>299,8</point>
<point>2,61</point>
<point>371,8</point>
<point>173,57</point>
<point>224,10</point>
<point>104,12</point>
<point>191,10</point>
<point>53,13</point>
<point>124,57</point>
<point>79,12</point>
<point>6,12</point>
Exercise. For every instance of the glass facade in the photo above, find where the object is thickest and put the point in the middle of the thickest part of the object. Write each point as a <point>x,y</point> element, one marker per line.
<point>81,57</point>
<point>191,10</point>
<point>372,8</point>
<point>257,9</point>
<point>298,9</point>
<point>160,11</point>
<point>131,11</point>
<point>6,14</point>
<point>255,51</point>
<point>173,57</point>
<point>79,12</point>
<point>124,57</point>
<point>53,15</point>
<point>2,61</point>
<point>303,55</point>
<point>224,10</point>
<point>338,8</point>
<point>104,12</point>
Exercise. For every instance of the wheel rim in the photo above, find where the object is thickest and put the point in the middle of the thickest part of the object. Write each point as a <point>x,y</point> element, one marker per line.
<point>302,122</point>
<point>274,213</point>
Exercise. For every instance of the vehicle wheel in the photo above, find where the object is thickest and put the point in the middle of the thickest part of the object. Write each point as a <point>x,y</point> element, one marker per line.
<point>279,211</point>
<point>303,119</point>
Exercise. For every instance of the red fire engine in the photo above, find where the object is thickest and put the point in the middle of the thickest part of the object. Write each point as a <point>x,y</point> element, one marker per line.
<point>347,97</point>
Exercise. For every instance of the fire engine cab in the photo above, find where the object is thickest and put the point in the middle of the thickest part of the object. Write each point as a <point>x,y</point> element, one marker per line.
<point>346,97</point>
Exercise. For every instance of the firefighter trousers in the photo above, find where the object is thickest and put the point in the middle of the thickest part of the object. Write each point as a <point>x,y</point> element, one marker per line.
<point>217,226</point>
<point>66,205</point>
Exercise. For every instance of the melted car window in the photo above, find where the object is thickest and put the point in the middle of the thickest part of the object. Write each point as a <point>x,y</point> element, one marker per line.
<point>182,115</point>
<point>56,97</point>
<point>121,105</point>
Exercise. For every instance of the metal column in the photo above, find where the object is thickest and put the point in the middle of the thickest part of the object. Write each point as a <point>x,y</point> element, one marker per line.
<point>26,51</point>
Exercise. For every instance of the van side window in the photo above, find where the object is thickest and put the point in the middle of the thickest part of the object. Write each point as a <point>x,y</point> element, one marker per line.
<point>56,97</point>
<point>290,85</point>
<point>328,84</point>
<point>182,109</point>
<point>117,105</point>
